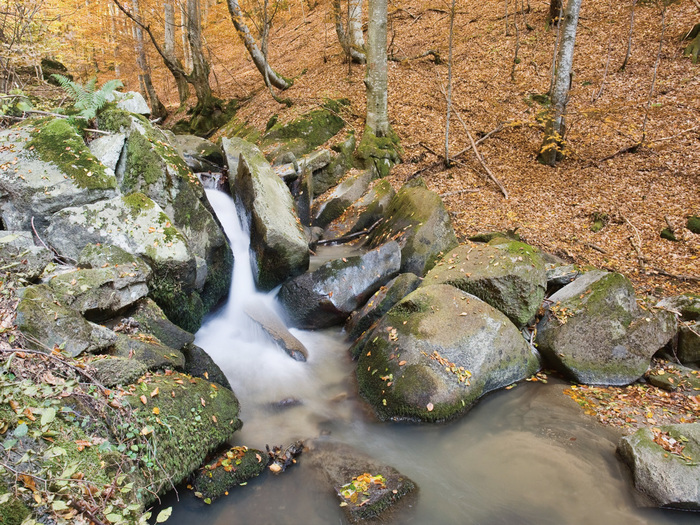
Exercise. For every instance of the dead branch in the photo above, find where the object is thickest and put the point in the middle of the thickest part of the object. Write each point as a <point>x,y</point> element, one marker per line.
<point>430,52</point>
<point>349,237</point>
<point>482,139</point>
<point>480,158</point>
<point>428,148</point>
<point>595,247</point>
<point>467,190</point>
<point>680,277</point>
<point>636,245</point>
<point>629,149</point>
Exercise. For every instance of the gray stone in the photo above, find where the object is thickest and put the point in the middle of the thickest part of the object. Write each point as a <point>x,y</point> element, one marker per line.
<point>108,149</point>
<point>561,275</point>
<point>113,371</point>
<point>348,191</point>
<point>198,153</point>
<point>329,295</point>
<point>418,221</point>
<point>200,364</point>
<point>327,177</point>
<point>277,237</point>
<point>148,351</point>
<point>153,321</point>
<point>687,306</point>
<point>19,255</point>
<point>509,276</point>
<point>436,352</point>
<point>689,343</point>
<point>670,480</point>
<point>594,331</point>
<point>131,101</point>
<point>274,327</point>
<point>364,212</point>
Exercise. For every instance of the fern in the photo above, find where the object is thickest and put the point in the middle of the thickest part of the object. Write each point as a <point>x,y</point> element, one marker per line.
<point>88,99</point>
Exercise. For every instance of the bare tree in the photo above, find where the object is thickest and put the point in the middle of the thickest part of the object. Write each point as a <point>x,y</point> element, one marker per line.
<point>178,73</point>
<point>377,120</point>
<point>352,40</point>
<point>555,128</point>
<point>449,84</point>
<point>157,108</point>
<point>629,37</point>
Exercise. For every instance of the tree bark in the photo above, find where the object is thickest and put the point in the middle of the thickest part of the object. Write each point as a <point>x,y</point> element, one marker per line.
<point>258,58</point>
<point>376,75</point>
<point>555,129</point>
<point>178,73</point>
<point>157,108</point>
<point>199,78</point>
<point>352,41</point>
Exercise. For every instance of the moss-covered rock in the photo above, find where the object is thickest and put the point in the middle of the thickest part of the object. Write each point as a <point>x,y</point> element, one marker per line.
<point>152,320</point>
<point>112,371</point>
<point>418,221</point>
<point>508,275</point>
<point>594,331</point>
<point>147,351</point>
<point>20,257</point>
<point>231,468</point>
<point>670,479</point>
<point>693,224</point>
<point>379,154</point>
<point>200,364</point>
<point>326,178</point>
<point>13,511</point>
<point>333,205</point>
<point>436,352</point>
<point>687,306</point>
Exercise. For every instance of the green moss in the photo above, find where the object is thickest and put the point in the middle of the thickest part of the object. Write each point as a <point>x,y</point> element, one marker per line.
<point>380,153</point>
<point>693,224</point>
<point>598,303</point>
<point>218,278</point>
<point>238,128</point>
<point>231,468</point>
<point>142,161</point>
<point>183,307</point>
<point>59,142</point>
<point>14,511</point>
<point>136,202</point>
<point>116,120</point>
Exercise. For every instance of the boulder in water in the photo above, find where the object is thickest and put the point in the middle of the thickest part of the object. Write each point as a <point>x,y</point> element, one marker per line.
<point>227,470</point>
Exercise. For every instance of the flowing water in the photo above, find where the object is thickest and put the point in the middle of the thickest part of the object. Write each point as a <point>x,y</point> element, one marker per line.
<point>527,455</point>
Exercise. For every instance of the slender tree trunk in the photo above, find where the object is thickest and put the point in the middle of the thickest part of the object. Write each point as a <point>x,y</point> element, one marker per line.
<point>186,55</point>
<point>157,108</point>
<point>555,128</point>
<point>629,37</point>
<point>352,41</point>
<point>183,89</point>
<point>258,58</point>
<point>449,85</point>
<point>113,39</point>
<point>376,74</point>
<point>199,78</point>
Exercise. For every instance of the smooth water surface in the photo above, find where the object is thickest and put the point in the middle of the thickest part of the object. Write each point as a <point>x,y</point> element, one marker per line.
<point>527,455</point>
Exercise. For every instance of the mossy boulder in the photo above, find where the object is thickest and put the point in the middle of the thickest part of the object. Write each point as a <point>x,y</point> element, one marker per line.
<point>277,237</point>
<point>380,303</point>
<point>594,331</point>
<point>44,167</point>
<point>367,489</point>
<point>148,351</point>
<point>436,352</point>
<point>199,154</point>
<point>324,179</point>
<point>670,479</point>
<point>510,276</point>
<point>152,320</point>
<point>330,294</point>
<point>687,306</point>
<point>227,470</point>
<point>693,224</point>
<point>331,206</point>
<point>108,150</point>
<point>46,323</point>
<point>20,257</point>
<point>364,212</point>
<point>418,221</point>
<point>379,154</point>
<point>194,418</point>
<point>112,371</point>
<point>200,364</point>
<point>689,343</point>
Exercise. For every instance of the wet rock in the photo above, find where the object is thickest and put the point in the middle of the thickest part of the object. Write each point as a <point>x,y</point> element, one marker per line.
<point>418,221</point>
<point>277,238</point>
<point>347,472</point>
<point>670,480</point>
<point>281,457</point>
<point>330,294</point>
<point>151,320</point>
<point>198,363</point>
<point>379,304</point>
<point>47,324</point>
<point>348,191</point>
<point>509,275</point>
<point>227,470</point>
<point>436,352</point>
<point>594,331</point>
<point>199,154</point>
<point>19,255</point>
<point>273,326</point>
<point>364,212</point>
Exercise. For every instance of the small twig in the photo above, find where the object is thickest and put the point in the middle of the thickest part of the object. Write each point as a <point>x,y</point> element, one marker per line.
<point>636,245</point>
<point>349,237</point>
<point>629,149</point>
<point>595,247</point>
<point>466,190</point>
<point>430,52</point>
<point>482,139</point>
<point>428,148</point>
<point>674,136</point>
<point>481,159</point>
<point>36,111</point>
<point>82,508</point>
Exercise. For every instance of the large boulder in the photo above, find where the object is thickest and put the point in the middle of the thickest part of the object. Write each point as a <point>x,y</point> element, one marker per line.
<point>664,464</point>
<point>686,308</point>
<point>277,237</point>
<point>329,295</point>
<point>130,101</point>
<point>334,204</point>
<point>436,352</point>
<point>108,150</point>
<point>324,179</point>
<point>594,331</point>
<point>152,320</point>
<point>46,323</point>
<point>367,489</point>
<point>44,167</point>
<point>364,212</point>
<point>510,276</point>
<point>199,154</point>
<point>19,255</point>
<point>418,221</point>
<point>380,303</point>
<point>200,364</point>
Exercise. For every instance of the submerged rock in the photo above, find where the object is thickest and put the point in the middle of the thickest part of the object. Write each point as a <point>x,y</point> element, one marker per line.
<point>670,479</point>
<point>227,470</point>
<point>273,326</point>
<point>436,352</point>
<point>509,275</point>
<point>330,294</point>
<point>594,331</point>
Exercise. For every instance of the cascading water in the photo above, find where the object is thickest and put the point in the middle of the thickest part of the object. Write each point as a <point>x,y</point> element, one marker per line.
<point>527,455</point>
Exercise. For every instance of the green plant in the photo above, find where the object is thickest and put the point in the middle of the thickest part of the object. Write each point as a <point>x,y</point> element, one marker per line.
<point>88,99</point>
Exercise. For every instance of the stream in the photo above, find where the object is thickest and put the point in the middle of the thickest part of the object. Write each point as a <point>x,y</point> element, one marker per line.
<point>527,455</point>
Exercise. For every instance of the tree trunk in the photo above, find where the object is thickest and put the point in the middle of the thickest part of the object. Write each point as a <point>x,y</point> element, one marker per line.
<point>113,39</point>
<point>376,74</point>
<point>555,129</point>
<point>183,89</point>
<point>554,12</point>
<point>258,58</point>
<point>693,49</point>
<point>199,78</point>
<point>157,108</point>
<point>186,56</point>
<point>352,41</point>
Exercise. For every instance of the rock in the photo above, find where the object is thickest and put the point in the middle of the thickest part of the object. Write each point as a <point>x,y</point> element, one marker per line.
<point>108,150</point>
<point>201,417</point>
<point>200,364</point>
<point>329,295</point>
<point>693,224</point>
<point>490,236</point>
<point>227,470</point>
<point>689,343</point>
<point>100,293</point>
<point>324,179</point>
<point>380,303</point>
<point>113,371</point>
<point>379,153</point>
<point>377,493</point>
<point>47,324</point>
<point>436,352</point>
<point>418,220</point>
<point>274,327</point>
<point>131,101</point>
<point>364,212</point>
<point>44,167</point>
<point>314,161</point>
<point>670,480</point>
<point>153,321</point>
<point>19,255</point>
<point>687,306</point>
<point>148,351</point>
<point>199,154</point>
<point>277,238</point>
<point>51,66</point>
<point>510,276</point>
<point>333,205</point>
<point>559,276</point>
<point>594,331</point>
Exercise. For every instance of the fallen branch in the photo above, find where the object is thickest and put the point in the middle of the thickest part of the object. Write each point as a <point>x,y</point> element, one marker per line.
<point>350,236</point>
<point>595,247</point>
<point>468,190</point>
<point>423,145</point>
<point>680,277</point>
<point>481,159</point>
<point>482,139</point>
<point>629,149</point>
<point>430,52</point>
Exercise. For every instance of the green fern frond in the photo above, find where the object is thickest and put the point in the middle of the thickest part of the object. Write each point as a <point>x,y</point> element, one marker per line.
<point>88,100</point>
